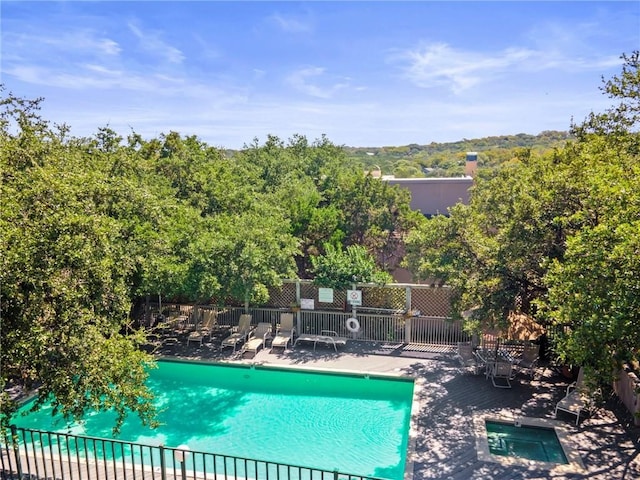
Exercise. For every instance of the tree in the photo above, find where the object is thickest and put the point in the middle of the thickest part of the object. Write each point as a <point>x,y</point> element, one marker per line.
<point>554,236</point>
<point>64,284</point>
<point>248,253</point>
<point>326,198</point>
<point>372,214</point>
<point>594,288</point>
<point>490,250</point>
<point>340,269</point>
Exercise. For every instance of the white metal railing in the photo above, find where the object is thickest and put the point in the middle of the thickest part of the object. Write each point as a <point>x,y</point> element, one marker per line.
<point>435,330</point>
<point>385,328</point>
<point>375,327</point>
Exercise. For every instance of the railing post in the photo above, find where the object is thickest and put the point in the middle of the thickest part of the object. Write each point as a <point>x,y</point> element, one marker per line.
<point>163,464</point>
<point>183,469</point>
<point>180,454</point>
<point>16,449</point>
<point>407,330</point>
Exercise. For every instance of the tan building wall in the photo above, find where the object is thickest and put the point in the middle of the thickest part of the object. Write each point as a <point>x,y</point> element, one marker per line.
<point>433,196</point>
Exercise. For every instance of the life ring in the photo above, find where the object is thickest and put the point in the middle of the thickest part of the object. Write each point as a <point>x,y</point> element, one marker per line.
<point>353,325</point>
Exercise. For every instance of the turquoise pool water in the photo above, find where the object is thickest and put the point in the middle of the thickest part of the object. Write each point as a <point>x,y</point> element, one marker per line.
<point>351,423</point>
<point>533,443</point>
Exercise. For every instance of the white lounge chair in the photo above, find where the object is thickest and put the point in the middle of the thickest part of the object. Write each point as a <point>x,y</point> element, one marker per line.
<point>205,328</point>
<point>240,334</point>
<point>285,332</point>
<point>467,357</point>
<point>257,338</point>
<point>326,337</point>
<point>576,400</point>
<point>190,322</point>
<point>530,358</point>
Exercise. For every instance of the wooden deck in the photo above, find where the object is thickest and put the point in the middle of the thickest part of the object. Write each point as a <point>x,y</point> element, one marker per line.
<point>449,397</point>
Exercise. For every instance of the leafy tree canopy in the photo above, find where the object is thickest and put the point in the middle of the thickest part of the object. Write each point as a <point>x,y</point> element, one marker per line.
<point>555,236</point>
<point>90,226</point>
<point>340,269</point>
<point>65,276</point>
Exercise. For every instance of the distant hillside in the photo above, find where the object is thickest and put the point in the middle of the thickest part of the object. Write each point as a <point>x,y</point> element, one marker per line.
<point>447,159</point>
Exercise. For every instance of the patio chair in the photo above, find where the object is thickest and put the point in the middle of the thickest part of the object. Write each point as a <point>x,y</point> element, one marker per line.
<point>326,337</point>
<point>467,357</point>
<point>188,323</point>
<point>501,371</point>
<point>576,399</point>
<point>240,334</point>
<point>257,338</point>
<point>205,328</point>
<point>530,358</point>
<point>285,332</point>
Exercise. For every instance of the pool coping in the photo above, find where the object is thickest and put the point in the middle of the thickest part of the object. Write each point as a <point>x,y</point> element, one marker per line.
<point>399,375</point>
<point>574,460</point>
<point>418,386</point>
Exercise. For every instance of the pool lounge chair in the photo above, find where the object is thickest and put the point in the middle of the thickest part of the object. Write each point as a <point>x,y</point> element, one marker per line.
<point>205,328</point>
<point>191,321</point>
<point>467,357</point>
<point>326,337</point>
<point>285,332</point>
<point>240,334</point>
<point>530,358</point>
<point>576,399</point>
<point>257,338</point>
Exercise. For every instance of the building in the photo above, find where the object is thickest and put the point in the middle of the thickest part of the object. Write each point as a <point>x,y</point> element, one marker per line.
<point>434,196</point>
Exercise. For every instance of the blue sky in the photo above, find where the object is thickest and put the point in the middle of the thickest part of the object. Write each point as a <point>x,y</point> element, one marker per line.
<point>362,73</point>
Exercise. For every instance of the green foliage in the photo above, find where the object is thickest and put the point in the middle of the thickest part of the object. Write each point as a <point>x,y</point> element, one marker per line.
<point>555,236</point>
<point>90,226</point>
<point>373,214</point>
<point>595,287</point>
<point>491,249</point>
<point>340,269</point>
<point>448,159</point>
<point>326,199</point>
<point>251,252</point>
<point>65,275</point>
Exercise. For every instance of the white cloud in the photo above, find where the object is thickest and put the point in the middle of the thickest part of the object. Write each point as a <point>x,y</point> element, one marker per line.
<point>109,47</point>
<point>103,70</point>
<point>290,24</point>
<point>81,41</point>
<point>440,65</point>
<point>89,76</point>
<point>224,84</point>
<point>153,44</point>
<point>302,80</point>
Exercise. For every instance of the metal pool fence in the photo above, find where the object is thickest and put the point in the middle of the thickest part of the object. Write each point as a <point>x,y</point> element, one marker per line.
<point>36,454</point>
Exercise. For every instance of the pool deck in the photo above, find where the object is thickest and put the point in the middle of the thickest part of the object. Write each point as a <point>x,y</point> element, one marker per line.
<point>445,444</point>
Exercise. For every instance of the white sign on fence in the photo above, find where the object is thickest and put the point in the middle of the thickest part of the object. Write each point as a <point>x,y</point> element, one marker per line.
<point>325,295</point>
<point>354,297</point>
<point>307,303</point>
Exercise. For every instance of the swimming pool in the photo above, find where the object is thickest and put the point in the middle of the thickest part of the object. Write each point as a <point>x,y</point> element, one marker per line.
<point>348,422</point>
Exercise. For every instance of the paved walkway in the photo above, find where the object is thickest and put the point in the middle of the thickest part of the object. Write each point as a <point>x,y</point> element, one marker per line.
<point>445,445</point>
